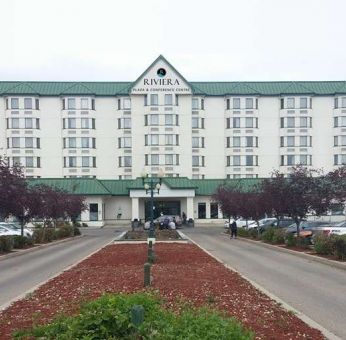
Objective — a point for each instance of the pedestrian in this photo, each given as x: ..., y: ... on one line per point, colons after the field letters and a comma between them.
x: 184, y: 217
x: 233, y: 227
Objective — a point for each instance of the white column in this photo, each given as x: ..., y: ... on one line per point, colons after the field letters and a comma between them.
x: 189, y: 207
x: 207, y: 209
x: 135, y: 208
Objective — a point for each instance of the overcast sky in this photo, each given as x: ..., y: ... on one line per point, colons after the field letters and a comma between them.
x: 225, y: 40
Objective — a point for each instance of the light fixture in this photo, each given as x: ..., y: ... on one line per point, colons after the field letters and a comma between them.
x: 158, y: 186
x: 146, y: 186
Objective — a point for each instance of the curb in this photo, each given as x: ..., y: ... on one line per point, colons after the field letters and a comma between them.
x: 332, y: 263
x: 329, y: 335
x: 19, y: 252
x: 32, y: 289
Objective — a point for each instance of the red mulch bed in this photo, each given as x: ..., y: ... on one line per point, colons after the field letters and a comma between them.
x: 181, y: 270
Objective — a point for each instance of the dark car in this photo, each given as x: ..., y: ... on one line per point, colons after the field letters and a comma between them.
x: 304, y: 226
x: 284, y: 222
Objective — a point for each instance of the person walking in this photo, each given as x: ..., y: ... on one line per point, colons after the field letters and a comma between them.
x: 234, y: 229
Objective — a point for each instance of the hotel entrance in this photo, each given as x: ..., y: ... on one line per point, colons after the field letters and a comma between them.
x: 164, y: 207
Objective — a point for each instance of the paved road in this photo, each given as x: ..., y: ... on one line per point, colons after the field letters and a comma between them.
x: 315, y: 289
x: 21, y: 273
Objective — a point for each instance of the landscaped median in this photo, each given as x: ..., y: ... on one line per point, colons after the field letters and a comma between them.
x: 182, y: 273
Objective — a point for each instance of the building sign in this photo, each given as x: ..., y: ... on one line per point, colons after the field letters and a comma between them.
x: 161, y: 79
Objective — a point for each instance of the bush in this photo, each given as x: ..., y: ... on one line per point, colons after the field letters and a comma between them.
x: 76, y: 231
x: 290, y: 240
x: 65, y: 231
x: 303, y: 242
x: 278, y: 236
x: 44, y: 235
x: 253, y: 233
x: 339, y: 246
x: 323, y: 244
x: 20, y: 242
x: 243, y: 232
x: 109, y: 317
x: 6, y: 243
x: 267, y: 235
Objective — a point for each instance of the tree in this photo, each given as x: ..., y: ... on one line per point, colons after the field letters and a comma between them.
x: 337, y: 180
x: 255, y: 207
x: 75, y: 204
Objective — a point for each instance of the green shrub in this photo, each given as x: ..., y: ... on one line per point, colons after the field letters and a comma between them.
x: 6, y: 243
x: 243, y: 232
x: 303, y: 242
x: 339, y: 246
x: 109, y: 317
x: 76, y: 231
x: 323, y: 244
x: 44, y: 235
x: 268, y: 235
x: 253, y: 233
x: 20, y: 242
x: 64, y: 231
x: 290, y: 240
x: 278, y: 236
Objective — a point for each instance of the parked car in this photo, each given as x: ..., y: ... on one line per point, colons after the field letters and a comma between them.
x: 7, y: 232
x: 10, y: 226
x: 333, y: 229
x: 263, y: 222
x: 304, y: 226
x: 240, y: 222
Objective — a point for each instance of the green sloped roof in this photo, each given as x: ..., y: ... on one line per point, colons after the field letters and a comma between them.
x: 118, y: 187
x: 270, y: 88
x: 80, y: 186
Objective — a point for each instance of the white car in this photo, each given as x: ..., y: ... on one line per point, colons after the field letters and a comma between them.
x: 7, y: 232
x: 333, y: 229
x: 10, y: 227
x: 240, y: 222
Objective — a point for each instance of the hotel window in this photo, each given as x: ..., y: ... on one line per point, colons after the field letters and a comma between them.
x: 85, y: 161
x: 71, y: 123
x: 84, y: 103
x: 85, y: 142
x: 249, y: 160
x: 15, y: 161
x: 85, y: 123
x: 249, y: 142
x: 155, y: 159
x: 125, y: 161
x: 93, y: 104
x: 29, y: 142
x: 153, y: 119
x: 28, y: 103
x: 343, y: 102
x: 168, y: 119
x: 125, y: 142
x: 303, y: 159
x: 15, y: 123
x: 195, y: 104
x: 168, y: 99
x: 29, y: 162
x: 291, y: 122
x: 168, y: 159
x: 195, y: 123
x: 169, y: 139
x: 343, y: 140
x: 236, y: 161
x: 303, y: 103
x: 151, y: 139
x: 303, y: 122
x: 72, y: 142
x: 236, y: 103
x: 71, y: 103
x: 14, y: 103
x: 145, y: 100
x: 15, y: 142
x: 29, y: 123
x: 195, y: 142
x: 154, y: 99
x: 303, y: 141
x: 343, y: 121
x: 202, y: 104
x: 290, y: 141
x: 127, y: 103
x: 249, y: 103
x: 236, y: 142
x: 340, y: 159
x: 249, y: 122
x: 290, y: 103
x: 336, y: 103
x: 290, y: 160
x: 124, y: 123
x: 236, y: 122
x: 228, y: 104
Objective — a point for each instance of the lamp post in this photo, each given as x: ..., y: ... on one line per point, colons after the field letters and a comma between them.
x: 152, y: 185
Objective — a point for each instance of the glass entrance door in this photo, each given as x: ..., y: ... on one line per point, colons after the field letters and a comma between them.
x: 93, y: 211
x: 164, y: 207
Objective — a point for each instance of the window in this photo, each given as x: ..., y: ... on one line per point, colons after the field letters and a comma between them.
x: 303, y: 103
x: 93, y: 104
x: 214, y: 210
x: 202, y: 104
x: 14, y: 103
x: 71, y: 103
x: 153, y: 139
x: 15, y: 142
x: 249, y: 160
x: 155, y: 159
x: 291, y: 122
x: 72, y: 162
x: 176, y: 100
x: 28, y: 103
x: 195, y: 122
x: 195, y: 160
x: 29, y: 162
x: 290, y: 103
x: 15, y: 160
x: 249, y: 122
x: 145, y: 100
x: 153, y: 119
x: 236, y: 103
x: 168, y: 119
x: 127, y: 161
x: 249, y: 103
x: 125, y: 142
x: 343, y: 121
x: 37, y: 123
x: 249, y: 142
x: 343, y: 102
x: 72, y: 142
x: 195, y: 142
x: 85, y: 123
x: 236, y: 142
x: 303, y: 159
x: 154, y: 99
x: 343, y: 140
x: 290, y: 160
x: 168, y: 99
x: 15, y: 123
x: 85, y: 161
x: 169, y: 159
x: 29, y: 123
x: 127, y: 123
x: 236, y: 122
x: 303, y: 141
x: 336, y: 103
x: 195, y: 104
x: 29, y: 142
x: 84, y: 103
x: 85, y: 142
x: 228, y: 104
x: 303, y: 122
x: 236, y: 160
x: 168, y: 139
x: 127, y: 103
x: 290, y: 141
x: 71, y: 123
